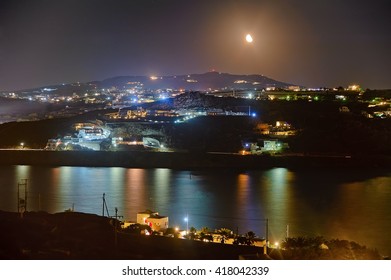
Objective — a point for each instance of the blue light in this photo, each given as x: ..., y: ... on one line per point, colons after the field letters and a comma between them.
x: 253, y: 115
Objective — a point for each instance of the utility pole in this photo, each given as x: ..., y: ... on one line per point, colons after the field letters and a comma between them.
x: 22, y: 202
x: 115, y: 229
x: 25, y: 195
x: 266, y: 236
x: 267, y: 231
x: 187, y: 223
x: 18, y: 199
x: 104, y: 206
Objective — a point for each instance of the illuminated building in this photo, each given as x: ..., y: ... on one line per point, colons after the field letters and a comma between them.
x: 152, y: 219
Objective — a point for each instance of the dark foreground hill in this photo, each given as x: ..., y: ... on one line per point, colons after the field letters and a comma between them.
x: 79, y: 236
x: 72, y: 235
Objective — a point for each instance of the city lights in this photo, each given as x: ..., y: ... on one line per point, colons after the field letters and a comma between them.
x: 239, y: 114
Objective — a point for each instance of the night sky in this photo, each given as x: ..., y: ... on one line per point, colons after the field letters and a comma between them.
x: 306, y: 42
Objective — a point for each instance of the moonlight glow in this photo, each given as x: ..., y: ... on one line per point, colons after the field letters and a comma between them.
x: 249, y: 38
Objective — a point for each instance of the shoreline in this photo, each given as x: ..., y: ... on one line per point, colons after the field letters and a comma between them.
x: 186, y: 160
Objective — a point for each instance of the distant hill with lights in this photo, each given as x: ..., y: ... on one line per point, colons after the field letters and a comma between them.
x: 196, y: 82
x: 193, y: 82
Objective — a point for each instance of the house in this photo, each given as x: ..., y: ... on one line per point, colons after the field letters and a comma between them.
x: 261, y: 146
x: 153, y: 219
x: 344, y: 109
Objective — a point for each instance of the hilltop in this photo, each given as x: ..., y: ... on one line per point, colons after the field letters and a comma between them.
x: 197, y: 82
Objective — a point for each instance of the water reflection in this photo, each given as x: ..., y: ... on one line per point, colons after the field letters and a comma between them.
x: 277, y: 186
x: 328, y: 203
x: 22, y: 172
x: 364, y: 207
x: 243, y: 193
x: 161, y: 181
x: 135, y: 192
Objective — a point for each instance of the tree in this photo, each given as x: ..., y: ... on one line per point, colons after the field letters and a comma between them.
x: 250, y: 237
x: 204, y: 234
x: 193, y: 233
x: 224, y: 233
x: 301, y: 242
x: 205, y: 230
x: 240, y: 240
x: 317, y: 248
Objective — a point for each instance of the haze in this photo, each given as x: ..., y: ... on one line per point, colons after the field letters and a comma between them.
x: 305, y: 42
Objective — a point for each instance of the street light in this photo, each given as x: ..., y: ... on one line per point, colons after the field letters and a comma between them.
x: 187, y: 223
x: 22, y: 145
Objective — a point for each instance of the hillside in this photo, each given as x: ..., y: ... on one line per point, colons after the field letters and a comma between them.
x: 200, y: 82
x: 71, y: 235
x: 80, y: 236
x: 196, y: 82
x: 322, y: 129
x: 21, y: 109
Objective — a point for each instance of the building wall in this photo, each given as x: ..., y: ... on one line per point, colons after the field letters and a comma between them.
x: 158, y: 224
x: 141, y: 217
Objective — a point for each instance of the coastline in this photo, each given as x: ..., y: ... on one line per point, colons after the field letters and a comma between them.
x: 186, y: 160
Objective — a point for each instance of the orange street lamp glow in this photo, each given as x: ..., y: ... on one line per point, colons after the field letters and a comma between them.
x: 249, y: 38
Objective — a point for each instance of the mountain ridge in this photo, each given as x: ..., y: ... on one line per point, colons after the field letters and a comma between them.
x: 199, y: 82
x: 189, y: 82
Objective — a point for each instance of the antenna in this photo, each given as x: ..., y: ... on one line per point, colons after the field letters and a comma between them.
x: 287, y: 231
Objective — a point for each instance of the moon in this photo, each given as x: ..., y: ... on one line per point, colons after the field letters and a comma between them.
x: 249, y: 38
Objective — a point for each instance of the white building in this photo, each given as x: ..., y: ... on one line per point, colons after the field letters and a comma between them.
x: 153, y: 219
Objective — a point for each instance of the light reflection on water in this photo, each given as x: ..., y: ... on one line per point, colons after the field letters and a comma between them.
x: 345, y: 205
